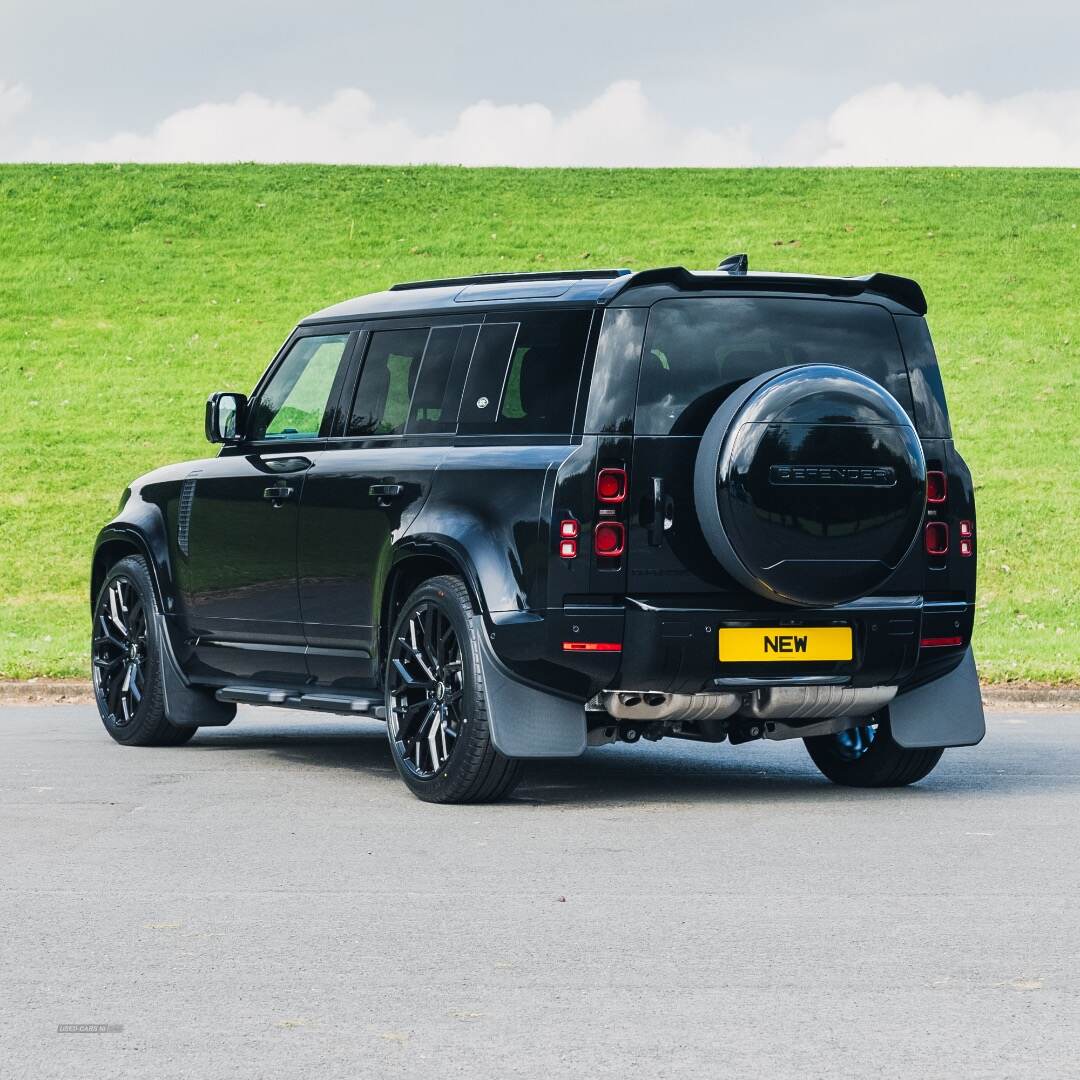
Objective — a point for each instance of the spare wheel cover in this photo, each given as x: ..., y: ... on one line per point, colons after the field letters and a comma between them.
x: 810, y: 485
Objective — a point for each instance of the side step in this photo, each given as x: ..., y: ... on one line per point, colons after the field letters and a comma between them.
x: 346, y: 704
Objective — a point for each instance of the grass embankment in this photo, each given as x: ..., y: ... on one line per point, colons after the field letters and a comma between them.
x: 129, y: 293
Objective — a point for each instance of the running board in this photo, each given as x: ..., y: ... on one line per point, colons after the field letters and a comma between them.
x: 347, y: 704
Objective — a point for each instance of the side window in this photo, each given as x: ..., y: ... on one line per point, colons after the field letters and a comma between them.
x: 381, y: 404
x: 436, y: 393
x: 524, y: 375
x: 292, y: 404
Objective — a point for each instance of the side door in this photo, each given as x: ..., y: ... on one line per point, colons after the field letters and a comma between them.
x: 370, y: 482
x: 237, y: 532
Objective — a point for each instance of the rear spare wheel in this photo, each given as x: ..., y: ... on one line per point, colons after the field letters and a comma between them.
x: 810, y: 485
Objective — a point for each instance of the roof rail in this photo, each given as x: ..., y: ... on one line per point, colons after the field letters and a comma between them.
x: 902, y: 290
x: 498, y: 279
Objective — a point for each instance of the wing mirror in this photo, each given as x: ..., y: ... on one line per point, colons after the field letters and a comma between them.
x: 225, y: 415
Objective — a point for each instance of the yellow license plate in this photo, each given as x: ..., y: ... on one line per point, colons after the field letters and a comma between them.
x: 740, y: 644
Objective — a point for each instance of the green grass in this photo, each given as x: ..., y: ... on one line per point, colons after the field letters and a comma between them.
x: 127, y: 294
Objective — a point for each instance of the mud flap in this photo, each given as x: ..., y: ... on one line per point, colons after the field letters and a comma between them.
x: 525, y: 721
x: 945, y: 712
x: 185, y: 707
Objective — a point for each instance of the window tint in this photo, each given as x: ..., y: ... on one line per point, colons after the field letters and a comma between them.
x: 293, y: 403
x: 436, y: 395
x: 524, y: 375
x: 381, y: 405
x: 697, y: 351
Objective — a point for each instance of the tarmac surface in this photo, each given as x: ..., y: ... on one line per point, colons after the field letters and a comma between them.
x: 271, y: 901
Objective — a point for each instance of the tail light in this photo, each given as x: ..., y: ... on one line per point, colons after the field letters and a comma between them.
x: 609, y: 539
x: 967, y: 538
x: 611, y: 485
x: 937, y: 538
x: 936, y: 486
x: 568, y: 533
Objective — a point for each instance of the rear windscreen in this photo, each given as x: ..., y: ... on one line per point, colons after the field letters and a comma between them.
x: 697, y: 351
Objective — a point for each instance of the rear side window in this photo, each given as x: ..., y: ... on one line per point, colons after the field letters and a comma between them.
x: 524, y: 375
x: 697, y: 351
x: 381, y: 404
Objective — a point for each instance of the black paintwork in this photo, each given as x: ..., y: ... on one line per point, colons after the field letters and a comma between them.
x: 300, y: 588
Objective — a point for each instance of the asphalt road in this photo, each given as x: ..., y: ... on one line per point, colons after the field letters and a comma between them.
x: 270, y: 901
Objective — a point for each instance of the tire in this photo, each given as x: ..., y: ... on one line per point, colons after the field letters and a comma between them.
x: 126, y: 644
x: 436, y: 701
x: 869, y: 757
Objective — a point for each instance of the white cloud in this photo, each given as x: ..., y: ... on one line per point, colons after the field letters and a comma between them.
x: 898, y: 125
x: 884, y: 125
x: 619, y: 127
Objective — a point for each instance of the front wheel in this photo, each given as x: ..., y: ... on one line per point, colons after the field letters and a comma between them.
x: 436, y: 701
x: 126, y: 655
x: 868, y: 756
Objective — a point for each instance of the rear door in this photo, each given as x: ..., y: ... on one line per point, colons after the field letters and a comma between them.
x: 697, y: 350
x: 369, y: 483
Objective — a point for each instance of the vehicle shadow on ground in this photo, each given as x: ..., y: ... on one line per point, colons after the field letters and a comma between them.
x: 670, y: 772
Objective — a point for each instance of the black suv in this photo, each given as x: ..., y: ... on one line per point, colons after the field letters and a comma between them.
x: 518, y: 515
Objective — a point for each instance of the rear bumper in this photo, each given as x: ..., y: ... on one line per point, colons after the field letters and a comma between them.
x: 675, y: 649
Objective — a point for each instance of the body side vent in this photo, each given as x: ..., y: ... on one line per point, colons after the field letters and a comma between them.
x: 183, y: 517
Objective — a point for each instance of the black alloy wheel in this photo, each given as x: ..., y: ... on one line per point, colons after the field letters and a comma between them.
x: 126, y: 659
x: 427, y: 690
x: 120, y: 649
x: 868, y: 756
x: 437, y: 708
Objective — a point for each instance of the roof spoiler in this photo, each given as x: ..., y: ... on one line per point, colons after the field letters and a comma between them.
x: 902, y: 290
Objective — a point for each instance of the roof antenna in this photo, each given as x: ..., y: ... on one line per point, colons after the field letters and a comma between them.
x: 735, y: 264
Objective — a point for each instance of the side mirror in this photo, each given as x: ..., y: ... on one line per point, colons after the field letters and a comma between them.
x: 225, y: 413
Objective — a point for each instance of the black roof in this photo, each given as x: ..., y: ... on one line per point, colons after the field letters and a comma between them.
x: 618, y: 287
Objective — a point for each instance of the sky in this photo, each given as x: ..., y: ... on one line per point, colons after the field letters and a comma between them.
x: 596, y: 82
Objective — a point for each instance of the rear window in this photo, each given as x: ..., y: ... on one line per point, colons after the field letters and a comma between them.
x: 697, y: 351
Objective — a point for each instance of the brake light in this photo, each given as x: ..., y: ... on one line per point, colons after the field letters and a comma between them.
x: 609, y: 539
x: 937, y: 538
x: 611, y: 485
x: 936, y: 486
x: 591, y: 646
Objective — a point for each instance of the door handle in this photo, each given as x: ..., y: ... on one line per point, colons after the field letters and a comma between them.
x: 385, y: 491
x: 663, y: 512
x: 278, y: 493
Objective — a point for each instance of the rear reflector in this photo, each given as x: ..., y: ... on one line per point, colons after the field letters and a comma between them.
x: 939, y: 642
x: 591, y: 646
x: 609, y: 539
x: 611, y: 485
x: 936, y: 487
x: 937, y: 538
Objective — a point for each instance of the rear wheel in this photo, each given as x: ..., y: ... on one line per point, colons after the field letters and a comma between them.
x: 868, y: 756
x: 127, y: 660
x: 436, y: 702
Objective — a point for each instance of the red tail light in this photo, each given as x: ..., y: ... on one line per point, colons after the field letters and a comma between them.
x: 936, y: 486
x: 611, y: 485
x: 568, y: 549
x: 568, y: 528
x: 937, y: 538
x: 609, y: 539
